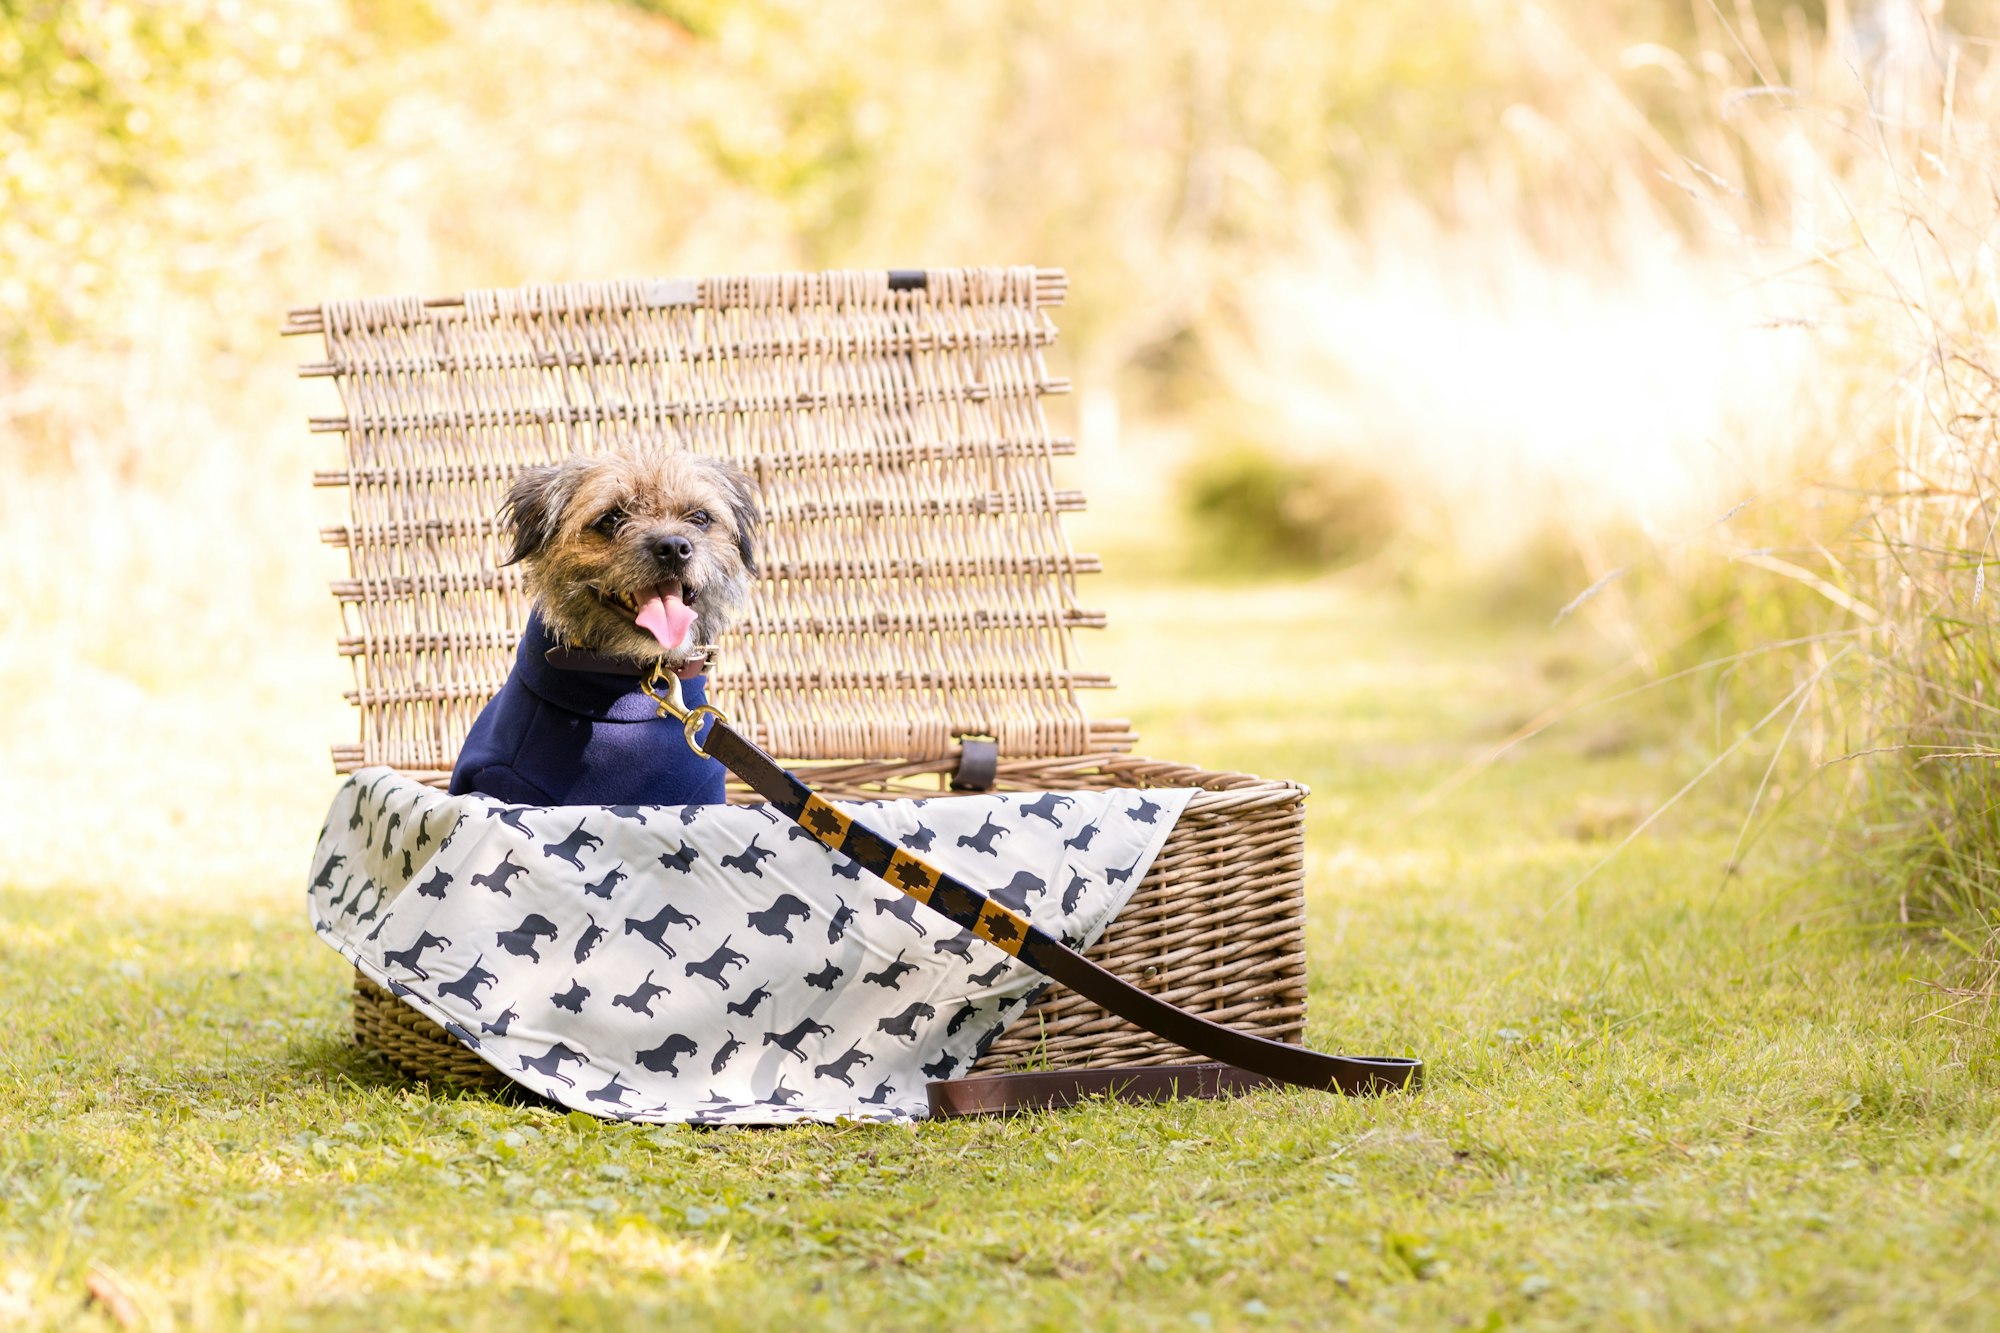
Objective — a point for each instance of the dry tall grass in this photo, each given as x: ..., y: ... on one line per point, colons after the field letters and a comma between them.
x: 1919, y: 286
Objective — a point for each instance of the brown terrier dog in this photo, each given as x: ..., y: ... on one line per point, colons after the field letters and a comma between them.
x: 636, y: 558
x: 640, y: 553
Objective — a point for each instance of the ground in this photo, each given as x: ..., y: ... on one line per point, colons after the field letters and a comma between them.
x: 1673, y: 1098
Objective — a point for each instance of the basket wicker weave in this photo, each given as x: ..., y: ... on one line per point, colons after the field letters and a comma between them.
x: 917, y: 584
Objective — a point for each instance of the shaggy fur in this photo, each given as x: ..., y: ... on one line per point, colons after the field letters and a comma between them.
x: 599, y: 533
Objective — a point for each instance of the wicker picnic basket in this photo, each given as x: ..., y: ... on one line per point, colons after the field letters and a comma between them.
x: 918, y: 589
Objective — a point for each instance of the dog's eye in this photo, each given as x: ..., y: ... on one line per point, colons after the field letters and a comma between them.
x: 700, y: 518
x: 608, y: 525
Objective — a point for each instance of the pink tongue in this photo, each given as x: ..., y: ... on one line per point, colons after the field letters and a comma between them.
x: 666, y: 619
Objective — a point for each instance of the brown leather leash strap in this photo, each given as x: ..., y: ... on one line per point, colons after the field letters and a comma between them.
x: 1012, y: 933
x: 1051, y: 1090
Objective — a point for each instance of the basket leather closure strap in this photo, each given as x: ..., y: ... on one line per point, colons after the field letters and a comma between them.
x: 965, y: 906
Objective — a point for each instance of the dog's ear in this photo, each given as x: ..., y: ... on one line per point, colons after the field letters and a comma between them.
x: 533, y: 509
x: 742, y: 494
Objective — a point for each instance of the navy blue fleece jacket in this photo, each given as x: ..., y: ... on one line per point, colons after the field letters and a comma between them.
x: 555, y: 737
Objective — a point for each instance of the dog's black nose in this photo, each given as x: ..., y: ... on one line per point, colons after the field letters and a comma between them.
x: 673, y: 551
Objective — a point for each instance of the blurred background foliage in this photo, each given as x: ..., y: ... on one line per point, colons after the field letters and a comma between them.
x: 1625, y: 312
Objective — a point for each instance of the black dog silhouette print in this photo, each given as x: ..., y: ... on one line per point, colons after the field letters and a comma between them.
x: 654, y: 928
x: 776, y: 920
x: 984, y: 837
x: 728, y: 1048
x: 498, y: 878
x: 566, y: 850
x: 1046, y: 807
x: 511, y: 816
x: 603, y: 887
x: 521, y: 940
x: 640, y: 1001
x: 842, y: 1066
x: 890, y: 977
x: 550, y: 1062
x: 467, y: 987
x: 586, y: 942
x: 681, y: 858
x: 662, y: 1058
x: 407, y: 959
x: 716, y: 964
x: 789, y: 1040
x: 904, y: 909
x: 837, y: 927
x: 750, y: 860
x: 747, y: 1006
x: 905, y: 1024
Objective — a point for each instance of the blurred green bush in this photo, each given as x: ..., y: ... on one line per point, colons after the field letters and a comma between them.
x: 1253, y: 509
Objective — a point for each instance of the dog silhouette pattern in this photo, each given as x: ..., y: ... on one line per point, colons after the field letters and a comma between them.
x: 522, y: 938
x: 566, y: 850
x: 654, y: 929
x: 747, y: 1006
x: 905, y: 1023
x: 1013, y: 895
x: 613, y: 1092
x: 470, y: 981
x: 553, y: 942
x: 904, y: 908
x: 512, y: 817
x: 843, y: 917
x: 789, y: 1040
x: 407, y: 959
x: 661, y: 1059
x: 1048, y: 806
x: 750, y: 860
x: 983, y: 838
x: 729, y: 1047
x: 498, y: 878
x: 891, y: 976
x: 776, y: 920
x: 717, y: 964
x: 640, y: 1001
x: 603, y: 887
x: 586, y: 943
x: 550, y: 1062
x: 842, y: 1067
x: 324, y: 879
x: 959, y: 945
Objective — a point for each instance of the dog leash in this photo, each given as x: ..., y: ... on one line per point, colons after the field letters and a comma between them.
x: 1245, y: 1060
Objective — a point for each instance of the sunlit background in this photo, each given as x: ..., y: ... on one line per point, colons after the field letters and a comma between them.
x: 1472, y: 299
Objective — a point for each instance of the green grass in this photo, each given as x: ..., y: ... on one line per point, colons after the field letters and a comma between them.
x: 1674, y: 1100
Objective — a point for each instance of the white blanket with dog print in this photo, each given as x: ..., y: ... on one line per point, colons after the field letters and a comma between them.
x: 713, y: 964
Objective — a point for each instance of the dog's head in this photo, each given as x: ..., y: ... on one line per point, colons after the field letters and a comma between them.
x: 640, y: 553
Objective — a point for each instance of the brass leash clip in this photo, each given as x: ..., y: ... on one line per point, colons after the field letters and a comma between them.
x: 673, y: 705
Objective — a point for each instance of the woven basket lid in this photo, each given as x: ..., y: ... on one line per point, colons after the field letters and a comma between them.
x: 917, y: 585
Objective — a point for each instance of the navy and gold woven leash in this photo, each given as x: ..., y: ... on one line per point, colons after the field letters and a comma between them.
x: 965, y: 906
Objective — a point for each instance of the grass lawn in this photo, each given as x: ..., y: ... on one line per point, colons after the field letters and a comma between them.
x: 1674, y: 1100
